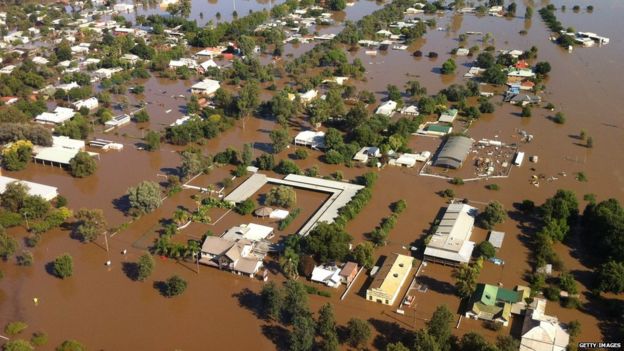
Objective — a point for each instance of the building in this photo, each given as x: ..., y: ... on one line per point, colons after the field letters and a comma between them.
x: 448, y: 116
x: 453, y: 152
x: 58, y: 116
x: 206, y: 87
x: 61, y: 152
x: 328, y: 275
x: 106, y: 73
x: 366, y: 152
x: 450, y: 244
x: 387, y: 108
x: 497, y: 304
x: 541, y: 332
x: 411, y: 110
x: 183, y: 62
x: 34, y: 189
x: 90, y: 103
x: 389, y: 279
x: 237, y: 256
x: 496, y: 239
x: 118, y: 121
x: 348, y: 272
x: 308, y: 96
x: 252, y: 232
x: 315, y: 140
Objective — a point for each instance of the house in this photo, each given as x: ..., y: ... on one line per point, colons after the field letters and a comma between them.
x: 40, y: 60
x: 68, y: 143
x: 474, y: 71
x: 211, y: 52
x: 90, y: 103
x: 123, y: 7
x: 541, y: 332
x: 58, y: 116
x: 522, y: 64
x: 389, y: 279
x: 308, y: 96
x: 448, y: 116
x: 522, y: 73
x: 315, y: 140
x: 236, y: 256
x: 68, y: 86
x: 384, y: 33
x: 496, y: 239
x: 183, y: 62
x: 525, y: 99
x: 208, y: 64
x: 34, y: 189
x: 462, y: 52
x: 497, y: 304
x: 450, y: 244
x: 82, y: 48
x: 7, y: 69
x: 9, y: 100
x: 366, y: 152
x: 206, y: 87
x: 453, y: 152
x: 411, y: 110
x: 348, y: 272
x: 130, y: 58
x: 387, y: 108
x: 328, y: 275
x: 118, y: 121
x: 252, y: 232
x: 61, y: 152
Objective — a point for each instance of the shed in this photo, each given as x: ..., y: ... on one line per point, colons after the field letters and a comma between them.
x: 496, y: 238
x: 453, y: 152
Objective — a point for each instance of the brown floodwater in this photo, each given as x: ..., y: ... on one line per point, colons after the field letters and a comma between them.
x: 104, y: 309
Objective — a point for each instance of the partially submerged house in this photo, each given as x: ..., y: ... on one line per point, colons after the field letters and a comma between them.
x: 34, y: 189
x: 58, y: 116
x: 328, y: 275
x: 541, y: 332
x: 497, y: 304
x: 367, y: 152
x: 206, y: 87
x: 315, y: 140
x: 236, y: 256
x: 389, y: 279
x: 451, y: 244
x: 387, y: 108
x: 448, y: 116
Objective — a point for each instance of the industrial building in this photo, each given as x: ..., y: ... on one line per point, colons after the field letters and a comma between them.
x: 453, y: 152
x: 389, y: 279
x: 451, y: 244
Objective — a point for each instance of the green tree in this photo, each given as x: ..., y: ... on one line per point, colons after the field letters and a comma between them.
x: 283, y: 196
x: 152, y: 141
x: 82, y: 165
x: 17, y: 345
x: 245, y: 207
x: 474, y: 342
x: 17, y: 156
x: 71, y: 345
x: 358, y: 332
x: 145, y: 266
x: 14, y: 196
x: 424, y: 341
x: 302, y: 335
x: 272, y: 301
x: 194, y: 162
x: 14, y: 328
x: 398, y: 346
x: 466, y: 278
x: 174, y: 286
x: 439, y: 326
x: 248, y: 99
x: 449, y: 67
x: 486, y: 249
x: 493, y: 214
x: 526, y: 111
x: 337, y: 5
x: 507, y: 343
x: 295, y: 301
x: 247, y: 154
x: 326, y: 325
x: 289, y: 263
x: 145, y: 197
x: 327, y: 242
x: 280, y: 139
x: 90, y: 224
x: 528, y: 13
x: 611, y: 277
x: 63, y: 266
x: 8, y: 245
x: 363, y: 255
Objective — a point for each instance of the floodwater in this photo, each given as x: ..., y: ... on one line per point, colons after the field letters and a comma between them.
x: 104, y: 309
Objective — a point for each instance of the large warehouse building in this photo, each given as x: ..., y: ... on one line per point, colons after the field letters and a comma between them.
x: 451, y: 244
x: 453, y: 152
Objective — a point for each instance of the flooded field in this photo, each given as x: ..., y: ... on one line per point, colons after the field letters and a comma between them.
x: 104, y: 309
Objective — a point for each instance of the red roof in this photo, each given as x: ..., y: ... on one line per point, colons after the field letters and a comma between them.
x: 521, y: 64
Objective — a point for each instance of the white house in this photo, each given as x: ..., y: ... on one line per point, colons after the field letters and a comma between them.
x: 68, y: 86
x: 206, y: 87
x: 308, y: 96
x: 366, y: 152
x: 328, y: 275
x: 411, y: 110
x: 34, y: 189
x: 183, y: 62
x: 105, y: 73
x: 387, y: 108
x: 448, y: 116
x: 58, y: 116
x: 40, y: 60
x: 90, y: 103
x: 118, y: 121
x: 541, y: 332
x: 130, y: 58
x: 315, y: 140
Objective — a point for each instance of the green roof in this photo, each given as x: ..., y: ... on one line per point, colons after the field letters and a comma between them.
x: 438, y: 128
x: 490, y: 294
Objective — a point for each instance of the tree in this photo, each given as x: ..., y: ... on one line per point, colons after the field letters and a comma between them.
x: 8, y: 245
x: 466, y: 277
x: 439, y: 325
x: 589, y: 143
x: 485, y: 60
x: 248, y: 98
x: 494, y: 75
x: 511, y: 9
x: 289, y: 263
x: 280, y: 139
x: 327, y: 242
x: 17, y: 345
x: 245, y: 207
x: 337, y: 5
x: 14, y: 196
x: 449, y: 66
x: 507, y: 343
x: 90, y: 224
x: 145, y: 197
x: 287, y: 167
x: 82, y: 165
x: 326, y: 324
x: 193, y: 162
x: 358, y: 332
x: 542, y: 68
x: 413, y: 88
x: 272, y: 301
x: 474, y: 342
x: 574, y: 328
x: 363, y: 255
x: 302, y: 335
x: 283, y: 196
x: 526, y: 111
x: 17, y: 156
x: 152, y: 141
x: 265, y: 162
x: 295, y: 301
x: 493, y: 214
x: 71, y: 345
x: 63, y: 266
x: 145, y: 266
x: 398, y: 346
x: 611, y: 277
x: 424, y: 341
x: 528, y: 13
x: 486, y: 249
x: 174, y: 286
x: 247, y: 154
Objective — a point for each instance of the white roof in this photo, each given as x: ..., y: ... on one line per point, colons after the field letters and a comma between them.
x: 208, y: 64
x: 326, y: 275
x: 451, y: 239
x: 311, y: 137
x: 207, y: 86
x: 309, y: 95
x: 387, y: 108
x: 257, y: 232
x: 365, y: 152
x: 34, y: 189
x: 89, y: 103
x: 406, y: 160
x: 60, y: 115
x: 541, y: 332
x: 496, y: 239
x: 279, y: 214
x: 67, y: 143
x: 55, y: 154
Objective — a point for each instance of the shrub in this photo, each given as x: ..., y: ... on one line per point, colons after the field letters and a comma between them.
x: 571, y: 302
x: 82, y: 165
x: 399, y: 206
x: 71, y: 345
x: 526, y: 111
x: 492, y: 187
x: 32, y: 240
x: 559, y: 118
x: 491, y: 325
x: 63, y: 266
x: 286, y: 221
x: 174, y: 286
x: 456, y: 181
x: 552, y: 293
x: 17, y: 345
x: 287, y: 167
x: 283, y: 196
x: 486, y: 249
x: 301, y: 154
x: 25, y: 259
x: 448, y: 193
x: 39, y: 338
x: 145, y: 266
x: 245, y: 207
x: 15, y: 328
